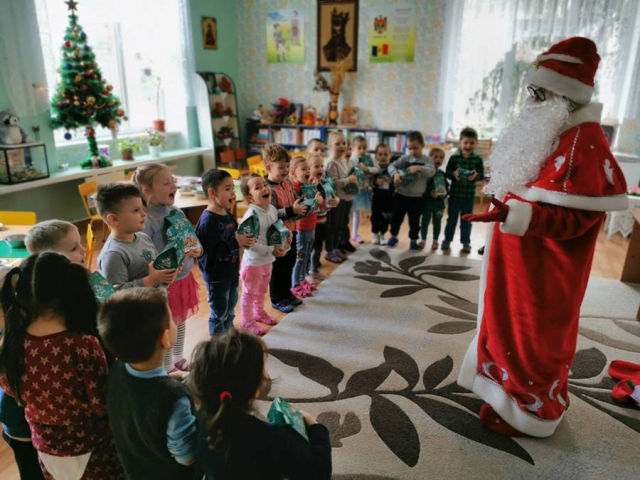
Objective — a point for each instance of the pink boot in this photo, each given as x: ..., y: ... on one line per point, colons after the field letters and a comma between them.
x: 300, y: 292
x: 264, y: 317
x: 308, y: 285
x: 253, y: 327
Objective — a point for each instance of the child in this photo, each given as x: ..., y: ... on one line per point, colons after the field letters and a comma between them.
x: 15, y: 429
x: 220, y: 263
x: 340, y: 169
x: 316, y: 164
x: 362, y: 201
x: 257, y: 260
x: 464, y: 169
x: 228, y: 374
x: 276, y: 161
x: 159, y: 188
x: 315, y: 145
x: 382, y: 202
x: 408, y: 199
x: 52, y: 362
x: 306, y: 228
x: 433, y: 206
x: 58, y: 236
x: 150, y: 413
x: 127, y: 256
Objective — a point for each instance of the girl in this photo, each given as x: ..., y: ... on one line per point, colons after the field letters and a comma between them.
x: 306, y: 228
x: 362, y: 201
x: 228, y: 374
x: 340, y: 168
x: 257, y: 261
x: 52, y: 362
x: 158, y: 188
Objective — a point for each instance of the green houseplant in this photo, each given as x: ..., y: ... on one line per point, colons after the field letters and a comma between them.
x: 156, y: 141
x: 128, y: 146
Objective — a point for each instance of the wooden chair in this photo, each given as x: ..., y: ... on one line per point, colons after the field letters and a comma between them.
x: 240, y: 153
x: 227, y: 156
x: 18, y: 218
x: 86, y: 190
x: 91, y: 247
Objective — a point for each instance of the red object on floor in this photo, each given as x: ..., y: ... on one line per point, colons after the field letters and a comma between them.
x: 493, y: 421
x: 627, y: 373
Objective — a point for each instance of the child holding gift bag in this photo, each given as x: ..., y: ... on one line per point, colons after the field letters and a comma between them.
x: 362, y: 200
x: 166, y: 223
x: 228, y: 374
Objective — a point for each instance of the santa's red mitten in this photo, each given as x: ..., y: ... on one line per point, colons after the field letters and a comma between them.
x: 627, y: 390
x: 498, y: 214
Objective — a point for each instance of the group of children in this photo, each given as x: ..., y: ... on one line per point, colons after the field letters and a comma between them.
x: 96, y: 391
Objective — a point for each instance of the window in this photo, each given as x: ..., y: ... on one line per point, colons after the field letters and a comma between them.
x: 140, y: 47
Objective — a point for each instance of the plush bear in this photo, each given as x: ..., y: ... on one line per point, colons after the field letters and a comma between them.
x: 10, y: 132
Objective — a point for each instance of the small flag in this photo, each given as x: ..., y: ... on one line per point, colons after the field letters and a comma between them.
x: 374, y: 51
x: 385, y: 49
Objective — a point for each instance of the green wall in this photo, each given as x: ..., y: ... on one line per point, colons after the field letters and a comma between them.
x: 62, y: 200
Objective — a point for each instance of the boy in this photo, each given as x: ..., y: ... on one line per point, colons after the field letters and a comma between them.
x: 408, y: 199
x: 150, y: 413
x: 127, y: 257
x: 433, y: 206
x: 382, y: 202
x: 464, y: 169
x: 276, y: 161
x: 58, y: 236
x: 220, y: 262
x: 315, y: 145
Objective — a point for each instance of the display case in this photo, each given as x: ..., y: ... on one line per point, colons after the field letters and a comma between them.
x: 23, y: 163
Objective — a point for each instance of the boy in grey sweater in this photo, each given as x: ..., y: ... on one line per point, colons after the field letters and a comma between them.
x: 408, y: 198
x: 126, y: 260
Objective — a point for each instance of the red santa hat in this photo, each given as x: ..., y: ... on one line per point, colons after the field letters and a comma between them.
x: 568, y: 69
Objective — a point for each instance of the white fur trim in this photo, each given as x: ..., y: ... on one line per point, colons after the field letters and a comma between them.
x: 560, y: 84
x: 560, y: 57
x: 518, y: 218
x: 581, y: 202
x: 589, y: 113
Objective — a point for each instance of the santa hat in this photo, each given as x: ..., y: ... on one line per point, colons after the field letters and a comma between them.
x: 567, y: 69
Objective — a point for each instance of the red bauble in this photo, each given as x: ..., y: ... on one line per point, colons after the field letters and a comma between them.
x: 60, y: 104
x: 106, y: 92
x: 67, y: 44
x: 88, y: 72
x: 89, y: 112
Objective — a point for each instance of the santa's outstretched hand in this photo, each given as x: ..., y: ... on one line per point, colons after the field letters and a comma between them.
x: 498, y: 214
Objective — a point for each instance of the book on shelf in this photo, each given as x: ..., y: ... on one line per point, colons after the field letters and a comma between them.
x: 372, y: 140
x: 309, y: 134
x: 396, y: 142
x: 286, y: 135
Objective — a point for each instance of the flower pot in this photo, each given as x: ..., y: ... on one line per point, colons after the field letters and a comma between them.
x: 154, y: 150
x: 158, y: 125
x: 127, y: 155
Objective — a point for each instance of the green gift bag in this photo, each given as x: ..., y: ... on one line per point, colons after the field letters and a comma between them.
x: 171, y: 257
x: 366, y: 160
x: 278, y: 234
x: 177, y: 225
x: 309, y: 193
x: 101, y: 287
x: 359, y: 185
x: 464, y: 174
x: 282, y: 413
x: 440, y: 185
x: 407, y: 177
x: 250, y: 225
x: 327, y: 189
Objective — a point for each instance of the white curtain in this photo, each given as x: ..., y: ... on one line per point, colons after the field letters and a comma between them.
x: 496, y: 41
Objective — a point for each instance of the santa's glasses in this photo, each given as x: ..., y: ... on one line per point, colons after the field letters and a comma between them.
x: 537, y: 92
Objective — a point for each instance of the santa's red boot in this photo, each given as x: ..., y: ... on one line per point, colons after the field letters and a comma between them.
x: 493, y: 421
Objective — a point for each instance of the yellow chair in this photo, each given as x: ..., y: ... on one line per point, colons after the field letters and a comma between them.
x: 91, y: 247
x: 234, y: 172
x: 18, y: 218
x: 86, y: 190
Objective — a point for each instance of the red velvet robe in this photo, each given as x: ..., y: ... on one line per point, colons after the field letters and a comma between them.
x: 535, y: 276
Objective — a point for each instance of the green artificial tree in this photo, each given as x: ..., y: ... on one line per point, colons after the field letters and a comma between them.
x: 83, y: 98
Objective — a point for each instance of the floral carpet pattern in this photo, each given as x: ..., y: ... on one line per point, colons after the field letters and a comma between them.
x: 375, y: 355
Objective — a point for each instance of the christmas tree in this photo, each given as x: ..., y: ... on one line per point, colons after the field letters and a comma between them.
x: 83, y: 98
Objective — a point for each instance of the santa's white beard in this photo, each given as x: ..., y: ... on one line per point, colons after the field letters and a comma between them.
x: 525, y: 144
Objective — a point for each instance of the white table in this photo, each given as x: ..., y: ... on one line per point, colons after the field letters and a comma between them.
x: 622, y: 221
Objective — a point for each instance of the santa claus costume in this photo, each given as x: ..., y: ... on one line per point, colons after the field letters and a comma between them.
x: 538, y: 257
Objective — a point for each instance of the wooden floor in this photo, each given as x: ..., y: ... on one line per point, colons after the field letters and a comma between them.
x: 607, y: 263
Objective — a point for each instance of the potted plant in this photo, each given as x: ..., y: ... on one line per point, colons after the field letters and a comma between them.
x: 155, y: 81
x: 127, y: 147
x: 156, y: 142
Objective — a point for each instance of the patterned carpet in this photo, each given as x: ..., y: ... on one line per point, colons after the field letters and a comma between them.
x: 375, y: 354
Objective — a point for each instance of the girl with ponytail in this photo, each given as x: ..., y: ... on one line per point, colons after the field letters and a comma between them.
x: 228, y: 374
x: 52, y: 363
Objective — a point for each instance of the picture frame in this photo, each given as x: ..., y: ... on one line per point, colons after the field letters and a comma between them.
x: 337, y: 33
x: 209, y: 33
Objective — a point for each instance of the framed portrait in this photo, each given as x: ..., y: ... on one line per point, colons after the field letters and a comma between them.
x: 337, y: 33
x: 209, y: 33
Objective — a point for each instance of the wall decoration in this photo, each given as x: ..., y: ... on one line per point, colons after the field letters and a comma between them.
x: 209, y: 33
x: 285, y: 36
x: 393, y: 34
x: 337, y: 33
x: 350, y: 116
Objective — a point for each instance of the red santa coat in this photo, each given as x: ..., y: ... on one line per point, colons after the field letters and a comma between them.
x: 535, y: 276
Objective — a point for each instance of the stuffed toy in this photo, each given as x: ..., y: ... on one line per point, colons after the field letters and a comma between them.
x: 10, y: 132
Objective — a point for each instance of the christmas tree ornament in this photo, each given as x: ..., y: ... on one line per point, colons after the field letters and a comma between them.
x: 67, y: 136
x: 91, y: 100
x: 67, y: 66
x: 109, y: 87
x: 78, y: 78
x: 67, y: 44
x: 120, y: 112
x: 88, y: 72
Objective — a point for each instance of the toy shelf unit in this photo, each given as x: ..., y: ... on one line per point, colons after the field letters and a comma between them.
x: 23, y: 163
x: 217, y: 106
x: 296, y: 137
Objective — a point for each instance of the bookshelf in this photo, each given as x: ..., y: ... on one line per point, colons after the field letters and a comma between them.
x: 297, y: 136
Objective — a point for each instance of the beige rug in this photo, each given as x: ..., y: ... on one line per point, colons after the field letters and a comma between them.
x: 375, y: 354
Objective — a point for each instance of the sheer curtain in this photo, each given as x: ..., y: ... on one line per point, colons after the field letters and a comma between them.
x: 497, y: 40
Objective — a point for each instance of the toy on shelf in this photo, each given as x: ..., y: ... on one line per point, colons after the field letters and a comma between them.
x: 225, y: 85
x: 10, y: 132
x: 220, y: 110
x: 23, y: 163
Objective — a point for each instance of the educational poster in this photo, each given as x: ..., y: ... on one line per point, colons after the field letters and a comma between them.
x: 285, y: 36
x: 393, y: 37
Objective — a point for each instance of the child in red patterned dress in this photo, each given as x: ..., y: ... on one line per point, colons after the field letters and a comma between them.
x: 52, y: 361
